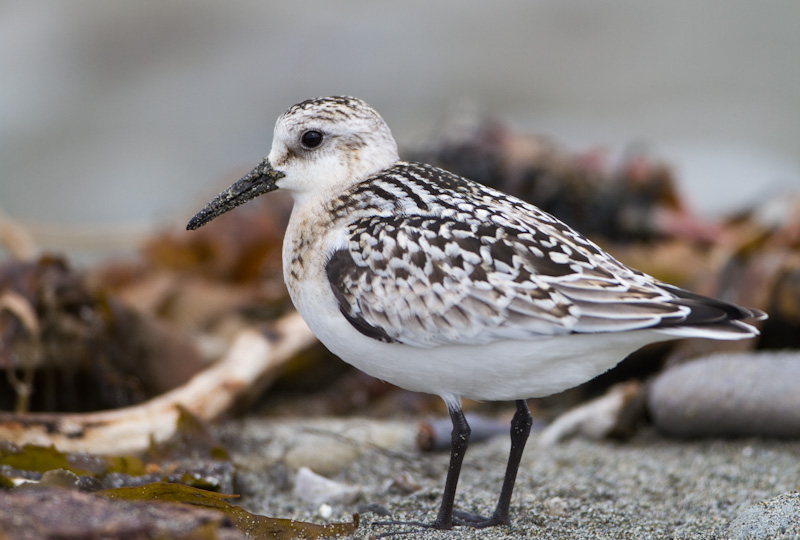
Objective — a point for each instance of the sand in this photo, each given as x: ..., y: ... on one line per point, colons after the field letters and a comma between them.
x: 647, y: 487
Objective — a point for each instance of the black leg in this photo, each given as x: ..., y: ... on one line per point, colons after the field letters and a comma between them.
x: 458, y: 447
x: 520, y: 430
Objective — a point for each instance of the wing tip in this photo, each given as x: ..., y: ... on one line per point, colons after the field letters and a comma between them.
x: 726, y: 331
x: 712, y: 318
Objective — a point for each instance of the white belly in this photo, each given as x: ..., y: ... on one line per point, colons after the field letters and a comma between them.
x: 499, y: 371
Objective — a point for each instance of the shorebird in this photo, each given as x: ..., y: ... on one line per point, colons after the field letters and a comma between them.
x: 439, y: 284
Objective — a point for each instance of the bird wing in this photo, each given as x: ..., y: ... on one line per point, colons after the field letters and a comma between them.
x: 517, y: 273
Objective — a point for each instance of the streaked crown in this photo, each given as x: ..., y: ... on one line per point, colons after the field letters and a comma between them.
x: 328, y: 143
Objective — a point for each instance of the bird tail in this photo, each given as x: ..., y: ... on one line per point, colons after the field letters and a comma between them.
x: 711, y: 318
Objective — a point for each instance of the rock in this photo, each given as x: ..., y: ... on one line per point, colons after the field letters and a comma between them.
x: 730, y: 395
x: 317, y: 489
x: 777, y: 518
x: 326, y: 456
x: 328, y: 450
x: 403, y: 483
x: 60, y: 478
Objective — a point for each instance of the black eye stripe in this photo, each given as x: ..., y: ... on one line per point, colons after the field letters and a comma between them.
x: 311, y: 139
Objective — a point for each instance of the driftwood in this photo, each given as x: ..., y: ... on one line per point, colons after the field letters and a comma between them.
x: 252, y: 361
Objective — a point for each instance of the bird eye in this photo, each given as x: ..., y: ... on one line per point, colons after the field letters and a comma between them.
x: 311, y: 139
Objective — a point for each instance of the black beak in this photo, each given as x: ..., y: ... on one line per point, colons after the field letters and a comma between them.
x: 257, y: 182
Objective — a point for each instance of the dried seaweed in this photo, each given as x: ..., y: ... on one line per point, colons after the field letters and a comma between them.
x: 254, y: 526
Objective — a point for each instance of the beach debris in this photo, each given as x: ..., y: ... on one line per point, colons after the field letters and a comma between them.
x: 66, y: 345
x: 729, y: 395
x: 53, y: 507
x: 253, y: 525
x: 435, y: 435
x: 191, y: 457
x: 616, y: 413
x: 316, y: 489
x: 251, y: 363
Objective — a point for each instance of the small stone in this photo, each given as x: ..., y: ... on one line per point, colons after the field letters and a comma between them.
x: 316, y: 489
x: 374, y: 508
x: 730, y: 395
x: 325, y: 511
x: 404, y: 483
x: 60, y: 478
x: 777, y: 518
x: 556, y: 506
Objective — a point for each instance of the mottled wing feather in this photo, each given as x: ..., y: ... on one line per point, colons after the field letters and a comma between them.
x: 409, y: 280
x: 437, y: 259
x: 429, y: 281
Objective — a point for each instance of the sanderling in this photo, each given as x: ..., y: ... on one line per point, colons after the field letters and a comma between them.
x: 439, y: 284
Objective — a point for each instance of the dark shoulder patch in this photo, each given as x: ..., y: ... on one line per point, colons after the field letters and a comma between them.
x: 343, y: 272
x: 365, y: 328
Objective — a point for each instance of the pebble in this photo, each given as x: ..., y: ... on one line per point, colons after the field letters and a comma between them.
x: 404, y: 483
x: 556, y: 506
x: 330, y: 448
x: 777, y: 518
x: 729, y: 395
x: 316, y: 489
x: 325, y: 511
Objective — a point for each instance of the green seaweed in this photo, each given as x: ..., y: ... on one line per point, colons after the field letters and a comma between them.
x: 31, y: 457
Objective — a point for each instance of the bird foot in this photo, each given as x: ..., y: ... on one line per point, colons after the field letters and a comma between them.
x: 476, y: 521
x: 460, y: 519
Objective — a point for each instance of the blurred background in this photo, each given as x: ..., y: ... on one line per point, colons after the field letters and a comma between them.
x: 131, y: 115
x: 120, y: 119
